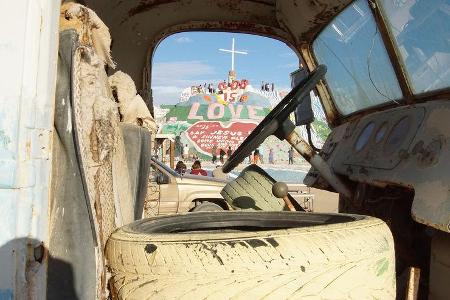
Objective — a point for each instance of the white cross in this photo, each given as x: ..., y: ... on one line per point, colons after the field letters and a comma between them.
x: 232, y: 54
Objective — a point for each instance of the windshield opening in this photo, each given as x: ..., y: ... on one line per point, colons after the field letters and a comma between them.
x: 211, y: 89
x: 360, y: 74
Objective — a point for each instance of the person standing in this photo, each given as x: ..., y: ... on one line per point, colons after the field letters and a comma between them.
x: 256, y: 156
x: 186, y: 151
x: 221, y: 155
x: 178, y: 147
x: 271, y: 156
x: 229, y: 152
x: 291, y: 156
x: 214, y: 153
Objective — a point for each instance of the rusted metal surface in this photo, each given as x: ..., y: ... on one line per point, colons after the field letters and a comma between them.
x: 146, y: 5
x: 172, y: 155
x: 412, y: 291
x: 330, y: 110
x: 428, y: 96
x: 318, y: 163
x: 143, y: 6
x: 307, y: 18
x: 419, y: 161
x: 230, y: 5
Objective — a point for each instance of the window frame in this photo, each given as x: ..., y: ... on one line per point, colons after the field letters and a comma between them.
x: 396, y: 61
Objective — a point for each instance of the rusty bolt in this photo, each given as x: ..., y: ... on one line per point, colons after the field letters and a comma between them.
x: 38, y: 253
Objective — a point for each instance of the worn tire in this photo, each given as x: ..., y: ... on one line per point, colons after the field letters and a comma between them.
x: 253, y: 255
x: 207, y: 206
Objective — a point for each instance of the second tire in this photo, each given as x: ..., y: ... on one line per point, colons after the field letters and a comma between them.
x: 253, y: 255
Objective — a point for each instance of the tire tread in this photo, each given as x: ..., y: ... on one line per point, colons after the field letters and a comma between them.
x: 292, y: 263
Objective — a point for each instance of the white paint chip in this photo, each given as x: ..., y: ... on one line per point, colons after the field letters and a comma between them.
x: 69, y: 120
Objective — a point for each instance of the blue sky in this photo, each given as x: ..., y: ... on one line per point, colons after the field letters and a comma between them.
x: 192, y: 58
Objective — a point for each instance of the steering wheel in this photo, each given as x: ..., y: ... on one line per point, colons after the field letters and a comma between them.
x: 277, y: 121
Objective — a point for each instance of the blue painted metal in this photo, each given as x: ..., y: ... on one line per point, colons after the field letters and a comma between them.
x: 6, y: 294
x: 28, y: 52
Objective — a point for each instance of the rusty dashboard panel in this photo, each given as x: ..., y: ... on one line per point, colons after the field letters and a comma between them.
x: 404, y: 146
x: 382, y: 138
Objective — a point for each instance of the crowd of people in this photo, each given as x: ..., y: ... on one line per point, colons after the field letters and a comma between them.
x: 218, y: 159
x: 203, y: 89
x: 197, y: 169
x: 222, y: 154
x: 258, y: 157
x: 267, y: 87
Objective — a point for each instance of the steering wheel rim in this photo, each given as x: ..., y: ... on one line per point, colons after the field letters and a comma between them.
x: 272, y: 122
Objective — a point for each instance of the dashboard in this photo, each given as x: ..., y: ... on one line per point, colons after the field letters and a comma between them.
x: 405, y: 146
x: 382, y: 138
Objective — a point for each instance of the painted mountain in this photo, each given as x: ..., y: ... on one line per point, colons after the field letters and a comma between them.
x: 224, y: 117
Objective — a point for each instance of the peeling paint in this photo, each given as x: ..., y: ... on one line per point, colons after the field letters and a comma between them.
x: 146, y: 5
x: 438, y: 119
x: 419, y: 162
x: 382, y: 266
x: 69, y: 120
x: 433, y: 205
x: 6, y: 294
x: 302, y: 147
x: 255, y: 243
x: 4, y: 139
x: 213, y: 250
x: 150, y: 248
x: 28, y: 149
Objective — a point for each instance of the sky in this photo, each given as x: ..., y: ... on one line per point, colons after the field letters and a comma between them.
x: 193, y: 58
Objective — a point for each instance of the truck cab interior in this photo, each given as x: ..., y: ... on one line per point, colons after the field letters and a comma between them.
x: 381, y: 69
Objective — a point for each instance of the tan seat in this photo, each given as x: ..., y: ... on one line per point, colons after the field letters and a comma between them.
x: 96, y: 181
